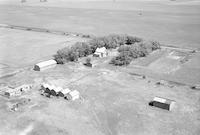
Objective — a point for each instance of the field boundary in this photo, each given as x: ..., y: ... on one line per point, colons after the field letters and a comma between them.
x: 43, y: 30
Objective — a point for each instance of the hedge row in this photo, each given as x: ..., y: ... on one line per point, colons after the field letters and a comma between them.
x: 133, y: 51
x: 124, y: 42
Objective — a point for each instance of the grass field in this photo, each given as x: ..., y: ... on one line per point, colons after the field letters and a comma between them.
x: 170, y: 23
x: 20, y: 49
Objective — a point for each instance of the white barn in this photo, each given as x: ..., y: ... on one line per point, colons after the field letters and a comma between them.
x: 45, y: 65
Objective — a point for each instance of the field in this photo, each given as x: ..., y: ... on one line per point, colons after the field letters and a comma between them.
x: 171, y: 23
x: 22, y: 49
x: 114, y: 100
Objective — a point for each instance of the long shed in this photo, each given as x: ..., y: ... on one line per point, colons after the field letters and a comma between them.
x: 45, y: 65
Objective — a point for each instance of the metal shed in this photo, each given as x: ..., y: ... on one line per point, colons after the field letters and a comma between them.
x: 45, y: 65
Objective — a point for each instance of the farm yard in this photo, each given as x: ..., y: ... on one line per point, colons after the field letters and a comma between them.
x: 116, y: 78
x: 112, y: 102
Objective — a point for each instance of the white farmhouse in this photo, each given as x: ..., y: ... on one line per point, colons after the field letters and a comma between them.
x: 101, y: 52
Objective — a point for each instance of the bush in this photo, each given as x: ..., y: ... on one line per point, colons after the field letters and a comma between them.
x: 66, y: 54
x: 155, y: 45
x: 139, y: 50
x: 83, y: 49
x: 120, y: 60
x: 129, y: 47
x: 119, y: 39
x: 124, y: 48
x: 88, y: 60
x: 109, y: 42
x: 132, y: 40
x: 96, y: 43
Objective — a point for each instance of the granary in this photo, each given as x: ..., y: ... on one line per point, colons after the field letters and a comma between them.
x: 55, y: 90
x: 45, y: 88
x: 64, y: 92
x: 52, y: 90
x: 100, y: 52
x: 162, y: 103
x: 12, y: 92
x: 45, y: 65
x: 73, y: 95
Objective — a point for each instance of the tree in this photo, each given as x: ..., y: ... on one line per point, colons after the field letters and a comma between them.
x: 131, y: 40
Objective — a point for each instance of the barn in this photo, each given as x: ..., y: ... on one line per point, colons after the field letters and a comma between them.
x: 45, y: 65
x: 162, y: 103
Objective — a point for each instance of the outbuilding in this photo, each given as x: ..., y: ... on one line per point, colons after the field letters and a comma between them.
x: 24, y: 88
x: 55, y: 90
x: 162, y: 103
x: 45, y: 65
x: 12, y: 92
x: 73, y: 95
x: 52, y: 90
x: 45, y: 88
x: 101, y: 52
x: 64, y: 92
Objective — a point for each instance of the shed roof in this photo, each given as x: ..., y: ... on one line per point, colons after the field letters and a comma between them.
x: 74, y: 93
x: 58, y: 89
x: 65, y: 91
x: 52, y: 87
x: 46, y: 63
x: 10, y: 90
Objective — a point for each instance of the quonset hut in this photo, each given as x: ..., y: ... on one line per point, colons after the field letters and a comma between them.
x: 44, y: 65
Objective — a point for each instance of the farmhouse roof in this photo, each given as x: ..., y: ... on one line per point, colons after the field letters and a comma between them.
x: 101, y: 50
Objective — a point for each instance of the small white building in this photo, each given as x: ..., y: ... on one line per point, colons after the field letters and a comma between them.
x: 73, y: 95
x: 10, y: 92
x: 101, y: 52
x: 64, y: 92
x: 45, y: 65
x: 24, y: 88
x: 163, y: 103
